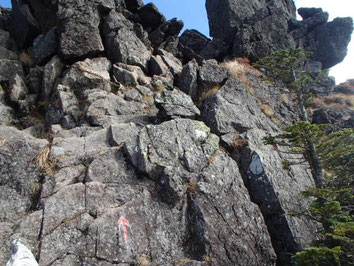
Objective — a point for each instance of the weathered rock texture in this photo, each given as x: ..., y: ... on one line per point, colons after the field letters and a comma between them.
x: 257, y: 28
x: 124, y: 144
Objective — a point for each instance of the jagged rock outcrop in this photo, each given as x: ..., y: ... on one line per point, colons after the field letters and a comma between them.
x: 122, y: 143
x: 257, y: 28
x: 336, y: 107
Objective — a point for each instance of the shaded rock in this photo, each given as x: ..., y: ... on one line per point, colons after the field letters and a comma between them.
x: 215, y: 49
x: 306, y: 13
x: 34, y: 79
x: 9, y: 68
x: 157, y: 65
x: 211, y: 75
x: 44, y: 47
x: 134, y: 5
x: 326, y: 116
x: 125, y: 47
x: 5, y: 40
x: 187, y: 80
x: 24, y: 27
x: 345, y: 87
x: 5, y: 18
x: 175, y: 104
x: 7, y: 54
x: 79, y: 35
x: 332, y: 40
x: 194, y: 40
x: 6, y: 112
x: 165, y: 30
x: 52, y: 70
x: 45, y: 13
x: 150, y: 16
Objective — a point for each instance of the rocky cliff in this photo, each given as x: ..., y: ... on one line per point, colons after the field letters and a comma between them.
x: 122, y: 143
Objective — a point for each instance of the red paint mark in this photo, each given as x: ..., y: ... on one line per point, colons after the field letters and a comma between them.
x: 122, y: 222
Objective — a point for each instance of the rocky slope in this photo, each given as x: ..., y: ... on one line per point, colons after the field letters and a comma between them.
x: 122, y: 143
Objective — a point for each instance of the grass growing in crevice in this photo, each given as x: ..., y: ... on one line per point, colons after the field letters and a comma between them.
x: 46, y: 164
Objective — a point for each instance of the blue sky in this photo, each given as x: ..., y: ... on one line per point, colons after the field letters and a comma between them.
x: 193, y: 14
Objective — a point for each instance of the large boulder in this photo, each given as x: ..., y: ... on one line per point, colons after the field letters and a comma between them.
x: 79, y: 34
x: 332, y: 41
x: 258, y: 28
x: 25, y: 27
x: 125, y: 47
x: 225, y: 16
x: 235, y: 114
x: 183, y: 173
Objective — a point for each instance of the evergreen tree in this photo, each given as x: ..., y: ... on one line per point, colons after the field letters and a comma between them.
x: 289, y: 67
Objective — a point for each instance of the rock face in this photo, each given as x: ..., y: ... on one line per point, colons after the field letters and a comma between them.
x: 122, y: 143
x: 258, y: 28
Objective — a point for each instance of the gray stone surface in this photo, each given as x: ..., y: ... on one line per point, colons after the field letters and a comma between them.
x: 234, y: 112
x: 211, y: 75
x: 125, y: 47
x: 9, y: 68
x: 18, y: 89
x: 176, y: 104
x: 79, y: 33
x: 258, y: 28
x: 173, y: 63
x: 129, y: 75
x: 52, y: 70
x: 187, y: 81
x: 19, y: 173
x: 44, y: 47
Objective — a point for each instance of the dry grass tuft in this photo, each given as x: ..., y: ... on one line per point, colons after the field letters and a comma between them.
x: 44, y: 162
x: 184, y: 262
x: 26, y: 59
x: 240, y: 143
x: 267, y: 110
x: 143, y: 261
x: 240, y: 68
x: 2, y: 142
x: 206, y: 94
